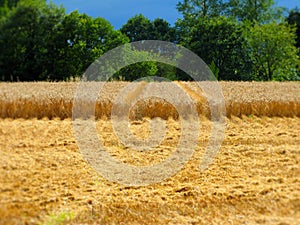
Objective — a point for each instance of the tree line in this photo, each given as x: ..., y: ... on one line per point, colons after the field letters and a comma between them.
x: 238, y: 40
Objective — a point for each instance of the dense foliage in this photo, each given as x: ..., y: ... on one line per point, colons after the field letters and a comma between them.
x: 239, y: 40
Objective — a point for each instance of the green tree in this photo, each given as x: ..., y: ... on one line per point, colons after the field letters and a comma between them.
x: 140, y: 28
x: 9, y: 3
x: 163, y: 31
x: 294, y: 19
x: 201, y: 8
x: 138, y: 64
x: 25, y: 34
x: 136, y: 71
x: 273, y: 51
x: 50, y: 43
x: 39, y: 42
x: 260, y: 11
x: 4, y: 14
x: 220, y: 43
x: 217, y: 39
x: 85, y: 40
x: 193, y: 11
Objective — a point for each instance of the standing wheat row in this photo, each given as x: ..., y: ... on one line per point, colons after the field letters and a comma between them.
x: 42, y: 99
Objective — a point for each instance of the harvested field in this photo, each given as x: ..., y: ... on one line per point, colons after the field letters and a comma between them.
x: 255, y: 178
x: 38, y: 100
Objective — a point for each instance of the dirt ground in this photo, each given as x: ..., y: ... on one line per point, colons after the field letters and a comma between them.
x: 254, y: 179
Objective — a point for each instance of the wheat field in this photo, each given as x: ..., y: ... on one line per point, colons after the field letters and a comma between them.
x: 39, y: 100
x: 254, y: 178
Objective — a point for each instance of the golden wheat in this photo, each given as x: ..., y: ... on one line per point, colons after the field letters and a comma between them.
x: 42, y: 99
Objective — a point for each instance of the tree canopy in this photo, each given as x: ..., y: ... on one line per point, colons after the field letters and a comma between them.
x: 220, y: 43
x: 294, y: 19
x: 273, y: 52
x: 39, y: 41
x: 238, y: 39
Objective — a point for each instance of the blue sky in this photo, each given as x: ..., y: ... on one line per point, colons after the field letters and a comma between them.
x: 117, y: 12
